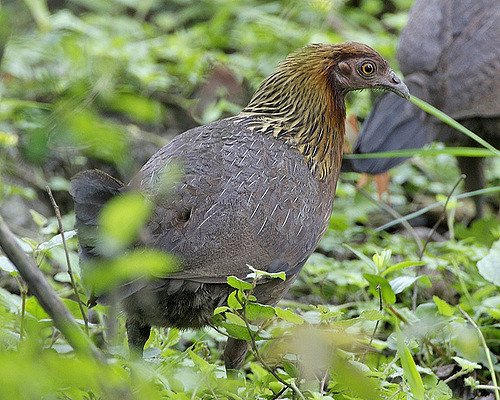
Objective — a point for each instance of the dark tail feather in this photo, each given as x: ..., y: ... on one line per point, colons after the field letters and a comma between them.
x: 90, y: 191
x: 393, y: 124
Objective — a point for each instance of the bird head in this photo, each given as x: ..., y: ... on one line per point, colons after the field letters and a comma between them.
x: 302, y: 102
x: 360, y: 67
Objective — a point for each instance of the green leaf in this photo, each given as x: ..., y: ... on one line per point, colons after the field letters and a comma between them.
x: 354, y: 381
x: 402, y: 265
x: 258, y: 273
x: 489, y: 266
x: 6, y: 265
x: 121, y: 220
x: 376, y: 281
x: 289, y: 316
x: 372, y: 315
x: 105, y: 275
x: 236, y: 331
x: 8, y: 139
x: 443, y: 307
x: 254, y: 311
x: 466, y: 365
x: 400, y: 283
x: 410, y: 372
x: 432, y: 152
x: 237, y: 283
x: 140, y: 108
x: 232, y: 301
x: 451, y: 122
x: 38, y: 218
x: 220, y: 310
x: 56, y: 240
x: 234, y: 319
x: 382, y: 259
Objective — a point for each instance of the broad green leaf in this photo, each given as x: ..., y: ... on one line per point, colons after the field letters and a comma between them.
x: 489, y: 266
x: 237, y: 331
x: 376, y: 281
x: 220, y: 310
x: 56, y: 240
x: 237, y: 283
x: 382, y: 259
x: 122, y: 218
x: 140, y: 108
x: 466, y: 365
x: 234, y: 319
x: 289, y: 316
x: 354, y: 381
x: 443, y: 307
x: 400, y: 283
x: 413, y: 378
x: 258, y: 272
x: 105, y: 275
x: 254, y: 311
x: 401, y: 265
x: 232, y: 301
x: 38, y: 218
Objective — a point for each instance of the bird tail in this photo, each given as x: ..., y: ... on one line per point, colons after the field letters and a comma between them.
x: 91, y: 190
x: 393, y: 124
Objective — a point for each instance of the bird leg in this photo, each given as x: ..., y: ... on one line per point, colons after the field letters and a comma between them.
x: 138, y: 334
x: 234, y: 354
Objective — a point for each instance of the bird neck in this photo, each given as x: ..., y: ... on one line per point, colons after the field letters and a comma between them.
x: 299, y: 105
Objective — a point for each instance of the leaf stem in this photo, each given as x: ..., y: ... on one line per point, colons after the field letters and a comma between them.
x: 495, y: 387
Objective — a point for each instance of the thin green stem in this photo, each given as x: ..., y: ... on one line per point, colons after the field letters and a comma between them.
x: 495, y: 387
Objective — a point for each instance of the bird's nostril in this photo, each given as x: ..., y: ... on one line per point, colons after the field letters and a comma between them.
x: 395, y: 79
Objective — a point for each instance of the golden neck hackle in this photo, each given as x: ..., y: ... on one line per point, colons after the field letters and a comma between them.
x: 298, y: 104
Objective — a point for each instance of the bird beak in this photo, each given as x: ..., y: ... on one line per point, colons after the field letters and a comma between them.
x: 396, y: 85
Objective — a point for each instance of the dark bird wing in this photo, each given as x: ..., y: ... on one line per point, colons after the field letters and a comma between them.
x: 393, y: 124
x: 243, y: 199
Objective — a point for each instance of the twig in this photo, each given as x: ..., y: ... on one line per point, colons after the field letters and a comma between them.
x: 429, y: 236
x: 45, y: 294
x: 277, y: 396
x: 487, y: 351
x: 380, y: 308
x: 68, y: 263
x: 253, y: 344
x: 393, y: 213
x: 24, y: 293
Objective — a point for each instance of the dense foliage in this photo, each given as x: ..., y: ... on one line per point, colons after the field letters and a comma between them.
x: 403, y: 312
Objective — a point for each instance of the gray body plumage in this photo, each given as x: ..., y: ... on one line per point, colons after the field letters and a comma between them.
x: 243, y: 199
x: 449, y: 53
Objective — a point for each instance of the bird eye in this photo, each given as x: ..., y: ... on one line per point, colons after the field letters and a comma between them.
x: 367, y: 68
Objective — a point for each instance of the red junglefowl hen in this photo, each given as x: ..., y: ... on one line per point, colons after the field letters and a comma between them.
x: 257, y: 189
x: 449, y: 53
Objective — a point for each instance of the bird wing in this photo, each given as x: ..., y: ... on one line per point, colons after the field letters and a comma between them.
x: 243, y: 199
x: 393, y: 124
